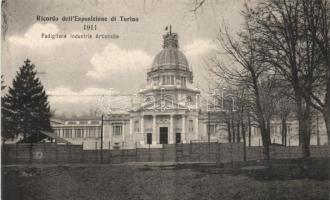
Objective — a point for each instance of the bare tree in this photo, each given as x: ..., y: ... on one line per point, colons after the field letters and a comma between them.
x: 250, y: 72
x: 316, y: 15
x: 284, y: 43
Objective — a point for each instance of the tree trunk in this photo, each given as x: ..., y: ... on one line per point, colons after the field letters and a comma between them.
x: 229, y: 131
x: 265, y: 137
x: 233, y: 130
x: 244, y: 140
x: 249, y: 121
x: 326, y: 112
x: 303, y: 115
x: 303, y: 131
x: 326, y: 116
x: 238, y: 133
x: 265, y: 141
x: 284, y: 131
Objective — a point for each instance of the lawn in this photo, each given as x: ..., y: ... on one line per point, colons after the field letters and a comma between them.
x: 150, y: 181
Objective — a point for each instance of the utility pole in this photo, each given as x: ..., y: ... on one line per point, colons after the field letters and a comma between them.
x: 209, y: 127
x: 101, y: 138
x: 317, y: 129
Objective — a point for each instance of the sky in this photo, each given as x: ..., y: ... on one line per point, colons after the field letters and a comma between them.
x: 77, y: 72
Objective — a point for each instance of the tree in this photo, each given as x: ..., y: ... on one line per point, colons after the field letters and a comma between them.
x: 285, y: 108
x: 284, y: 42
x: 3, y: 86
x: 4, y: 135
x: 25, y: 107
x: 316, y: 16
x: 250, y: 72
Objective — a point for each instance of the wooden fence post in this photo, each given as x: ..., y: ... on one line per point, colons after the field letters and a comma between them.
x: 122, y: 155
x: 175, y: 154
x: 31, y: 146
x: 96, y: 158
x: 260, y: 151
x: 69, y: 151
x: 149, y: 153
x: 190, y: 148
x: 82, y: 153
x: 231, y: 155
x: 136, y: 152
x: 163, y: 152
x: 44, y: 152
x: 219, y: 152
x: 56, y: 156
x: 16, y: 153
x: 109, y: 156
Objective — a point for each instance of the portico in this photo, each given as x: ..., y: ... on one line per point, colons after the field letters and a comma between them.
x: 162, y: 128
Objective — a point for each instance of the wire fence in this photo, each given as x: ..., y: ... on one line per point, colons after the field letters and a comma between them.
x: 213, y: 152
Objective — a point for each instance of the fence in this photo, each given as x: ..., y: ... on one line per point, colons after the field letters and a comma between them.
x: 193, y: 152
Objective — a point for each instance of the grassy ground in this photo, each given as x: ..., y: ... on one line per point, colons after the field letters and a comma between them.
x: 146, y: 181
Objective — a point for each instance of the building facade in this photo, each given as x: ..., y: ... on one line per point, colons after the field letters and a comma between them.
x: 169, y: 112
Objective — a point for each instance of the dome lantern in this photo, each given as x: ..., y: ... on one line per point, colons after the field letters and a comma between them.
x: 170, y: 40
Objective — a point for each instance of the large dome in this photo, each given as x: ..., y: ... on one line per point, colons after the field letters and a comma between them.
x: 170, y: 57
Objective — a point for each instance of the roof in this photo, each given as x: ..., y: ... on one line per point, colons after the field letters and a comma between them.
x: 170, y: 57
x: 54, y: 136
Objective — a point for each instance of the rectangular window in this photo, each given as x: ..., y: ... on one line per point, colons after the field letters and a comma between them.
x: 92, y: 132
x: 149, y: 138
x: 58, y: 132
x: 116, y: 129
x: 136, y: 126
x: 98, y: 132
x: 257, y: 131
x: 79, y: 133
x: 191, y: 125
x: 289, y: 129
x: 67, y: 133
x: 211, y: 129
x: 273, y: 130
x: 163, y: 80
x: 183, y: 81
x: 156, y: 81
x: 172, y: 80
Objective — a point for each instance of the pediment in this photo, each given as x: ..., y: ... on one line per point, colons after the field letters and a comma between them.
x: 163, y: 105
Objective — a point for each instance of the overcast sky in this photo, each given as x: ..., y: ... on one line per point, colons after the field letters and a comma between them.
x: 84, y: 67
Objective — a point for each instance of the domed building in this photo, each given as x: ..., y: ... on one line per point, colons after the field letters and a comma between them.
x: 168, y: 111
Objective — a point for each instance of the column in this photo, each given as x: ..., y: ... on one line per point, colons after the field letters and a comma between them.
x: 110, y: 128
x: 142, y: 130
x: 196, y: 129
x: 154, y: 130
x: 171, y: 139
x: 131, y: 138
x: 123, y: 132
x: 130, y: 126
x: 183, y: 137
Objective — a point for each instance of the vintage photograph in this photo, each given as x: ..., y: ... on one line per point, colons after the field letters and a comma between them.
x: 165, y: 99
